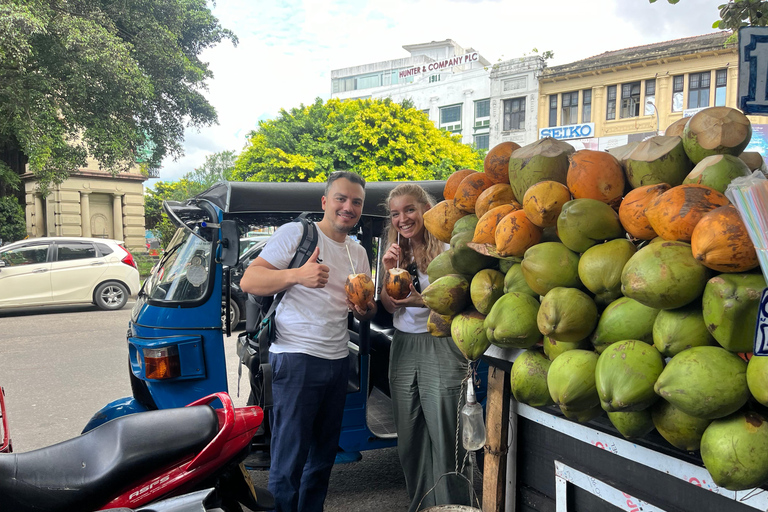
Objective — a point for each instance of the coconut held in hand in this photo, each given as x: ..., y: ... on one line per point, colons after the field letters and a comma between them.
x: 359, y: 288
x: 397, y: 282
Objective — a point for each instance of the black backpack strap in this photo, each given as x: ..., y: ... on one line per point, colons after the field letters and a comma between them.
x: 303, y: 252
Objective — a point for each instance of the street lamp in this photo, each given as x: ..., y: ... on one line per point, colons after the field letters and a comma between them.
x: 649, y: 102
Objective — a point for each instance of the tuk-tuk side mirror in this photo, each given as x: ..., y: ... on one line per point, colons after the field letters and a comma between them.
x: 230, y: 243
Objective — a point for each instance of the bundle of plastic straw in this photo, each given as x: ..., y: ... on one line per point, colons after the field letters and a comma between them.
x: 750, y: 197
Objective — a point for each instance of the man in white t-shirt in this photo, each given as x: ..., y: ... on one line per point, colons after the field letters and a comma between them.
x: 309, y: 353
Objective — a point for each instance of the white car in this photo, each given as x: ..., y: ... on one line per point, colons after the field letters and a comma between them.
x: 61, y: 270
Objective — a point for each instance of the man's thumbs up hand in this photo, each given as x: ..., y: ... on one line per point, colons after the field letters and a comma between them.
x: 313, y: 274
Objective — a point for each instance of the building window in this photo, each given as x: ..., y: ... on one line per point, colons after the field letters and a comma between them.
x: 650, y: 96
x: 610, y: 108
x: 677, y: 93
x: 343, y: 84
x: 586, y: 109
x: 630, y: 100
x: 721, y: 79
x: 570, y: 108
x: 553, y: 110
x: 368, y: 81
x: 514, y: 114
x: 698, y: 89
x: 482, y: 113
x: 481, y: 141
x: 450, y: 118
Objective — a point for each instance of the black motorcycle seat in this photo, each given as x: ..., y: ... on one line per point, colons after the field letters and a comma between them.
x: 87, y: 472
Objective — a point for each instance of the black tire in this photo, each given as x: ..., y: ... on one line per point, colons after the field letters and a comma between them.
x: 110, y: 296
x: 234, y: 314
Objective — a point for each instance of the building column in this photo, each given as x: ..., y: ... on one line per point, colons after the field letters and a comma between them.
x: 38, y: 226
x: 85, y: 213
x: 468, y: 127
x: 663, y: 101
x: 50, y: 215
x: 598, y: 109
x: 117, y: 214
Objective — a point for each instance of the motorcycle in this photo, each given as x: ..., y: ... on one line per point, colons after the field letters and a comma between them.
x: 138, y: 459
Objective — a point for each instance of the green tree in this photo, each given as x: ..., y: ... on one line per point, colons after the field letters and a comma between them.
x: 379, y: 139
x: 13, y: 225
x: 217, y: 167
x: 101, y: 79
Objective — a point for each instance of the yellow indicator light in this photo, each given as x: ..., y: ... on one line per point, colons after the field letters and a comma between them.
x: 162, y: 363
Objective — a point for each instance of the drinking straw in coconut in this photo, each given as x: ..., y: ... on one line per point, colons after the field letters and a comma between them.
x: 350, y: 259
x: 398, y: 246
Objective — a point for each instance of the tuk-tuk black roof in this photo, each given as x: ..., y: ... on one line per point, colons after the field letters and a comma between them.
x: 241, y: 197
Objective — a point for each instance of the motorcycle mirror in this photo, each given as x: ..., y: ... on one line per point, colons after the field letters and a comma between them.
x: 230, y: 243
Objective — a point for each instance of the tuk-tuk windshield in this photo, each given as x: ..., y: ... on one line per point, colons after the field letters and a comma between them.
x: 182, y: 274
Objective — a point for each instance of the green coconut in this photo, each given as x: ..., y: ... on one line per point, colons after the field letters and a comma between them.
x: 447, y: 295
x: 544, y: 160
x: 466, y: 223
x: 717, y: 171
x: 730, y: 306
x: 625, y: 374
x: 567, y: 314
x: 583, y: 416
x: 754, y: 161
x: 506, y: 264
x: 584, y: 222
x: 549, y: 265
x: 706, y: 382
x: 529, y: 379
x: 465, y: 259
x: 571, y: 381
x: 621, y: 153
x: 632, y: 424
x: 624, y: 319
x: 716, y: 131
x: 757, y: 378
x: 664, y: 275
x: 485, y: 289
x: 512, y: 321
x: 439, y: 325
x: 600, y: 269
x: 677, y: 127
x: 660, y: 159
x: 468, y: 334
x: 441, y: 266
x: 554, y: 348
x: 735, y: 451
x: 514, y: 281
x: 675, y: 330
x: 681, y: 430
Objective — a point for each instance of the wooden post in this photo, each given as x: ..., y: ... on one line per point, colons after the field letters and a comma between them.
x: 497, y: 431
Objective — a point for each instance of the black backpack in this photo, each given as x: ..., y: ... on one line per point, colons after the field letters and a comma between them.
x: 253, y: 344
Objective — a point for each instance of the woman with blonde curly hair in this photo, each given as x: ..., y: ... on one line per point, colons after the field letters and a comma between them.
x: 425, y: 372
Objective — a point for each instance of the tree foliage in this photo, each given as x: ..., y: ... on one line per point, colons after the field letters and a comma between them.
x: 217, y: 167
x: 13, y: 225
x: 379, y: 139
x: 103, y: 79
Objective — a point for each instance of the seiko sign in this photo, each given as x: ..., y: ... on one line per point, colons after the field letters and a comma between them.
x: 572, y: 131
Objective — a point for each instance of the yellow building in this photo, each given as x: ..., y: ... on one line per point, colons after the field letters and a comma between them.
x: 626, y: 95
x: 90, y: 203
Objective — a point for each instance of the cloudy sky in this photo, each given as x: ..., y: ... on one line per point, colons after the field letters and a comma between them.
x: 288, y: 48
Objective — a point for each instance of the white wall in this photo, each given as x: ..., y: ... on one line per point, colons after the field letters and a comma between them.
x: 515, y: 78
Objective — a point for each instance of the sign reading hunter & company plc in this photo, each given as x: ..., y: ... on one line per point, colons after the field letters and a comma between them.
x: 572, y: 131
x: 467, y: 58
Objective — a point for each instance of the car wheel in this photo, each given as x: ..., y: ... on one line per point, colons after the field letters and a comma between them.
x: 110, y: 296
x: 234, y: 314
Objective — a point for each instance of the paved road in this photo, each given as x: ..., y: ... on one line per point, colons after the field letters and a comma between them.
x: 60, y: 365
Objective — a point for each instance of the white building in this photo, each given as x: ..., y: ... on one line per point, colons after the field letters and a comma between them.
x: 449, y: 83
x: 514, y: 100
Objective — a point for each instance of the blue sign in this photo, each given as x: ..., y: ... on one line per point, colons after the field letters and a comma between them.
x: 753, y: 70
x: 761, y: 331
x: 572, y: 131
